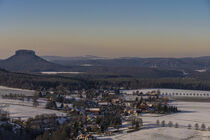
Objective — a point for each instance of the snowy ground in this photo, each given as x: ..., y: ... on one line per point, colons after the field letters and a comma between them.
x: 163, y: 134
x: 6, y: 90
x: 53, y: 73
x: 25, y: 109
x: 192, y: 112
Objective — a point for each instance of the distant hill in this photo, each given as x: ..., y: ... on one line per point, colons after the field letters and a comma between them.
x: 187, y: 63
x: 28, y: 61
x: 128, y: 72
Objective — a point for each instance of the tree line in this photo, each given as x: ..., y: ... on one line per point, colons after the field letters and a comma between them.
x: 37, y: 81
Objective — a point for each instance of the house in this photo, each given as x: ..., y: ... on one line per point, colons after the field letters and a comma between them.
x: 114, y: 101
x: 51, y: 91
x: 93, y: 110
x: 111, y: 93
x: 143, y: 106
x: 103, y: 103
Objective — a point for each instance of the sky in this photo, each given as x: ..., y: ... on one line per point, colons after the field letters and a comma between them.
x: 107, y: 28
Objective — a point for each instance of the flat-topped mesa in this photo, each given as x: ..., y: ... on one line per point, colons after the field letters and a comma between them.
x: 25, y: 52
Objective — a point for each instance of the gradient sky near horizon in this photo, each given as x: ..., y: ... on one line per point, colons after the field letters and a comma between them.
x: 108, y: 28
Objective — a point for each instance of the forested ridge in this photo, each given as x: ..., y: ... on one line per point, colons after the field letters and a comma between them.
x: 36, y: 81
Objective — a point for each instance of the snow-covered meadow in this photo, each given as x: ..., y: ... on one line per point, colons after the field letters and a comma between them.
x: 7, y: 90
x: 23, y: 109
x: 163, y: 134
x: 191, y: 113
x: 54, y: 73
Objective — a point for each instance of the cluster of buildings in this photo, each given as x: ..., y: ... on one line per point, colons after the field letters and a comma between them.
x: 96, y: 103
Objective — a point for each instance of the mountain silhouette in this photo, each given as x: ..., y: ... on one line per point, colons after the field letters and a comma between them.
x: 28, y: 61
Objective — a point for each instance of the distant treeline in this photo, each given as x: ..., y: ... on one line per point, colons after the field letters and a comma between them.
x: 36, y: 81
x: 174, y: 83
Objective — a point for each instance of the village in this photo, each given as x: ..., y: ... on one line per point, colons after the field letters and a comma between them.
x: 90, y: 113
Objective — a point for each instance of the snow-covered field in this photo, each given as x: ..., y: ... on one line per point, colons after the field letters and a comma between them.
x: 192, y: 112
x: 25, y: 112
x: 25, y: 109
x: 201, y: 70
x: 60, y: 72
x: 6, y: 90
x: 163, y: 134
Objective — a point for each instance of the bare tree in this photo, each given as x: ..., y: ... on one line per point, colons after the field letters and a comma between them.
x: 158, y: 123
x: 35, y: 102
x: 163, y: 123
x: 209, y: 128
x: 203, y: 127
x: 170, y: 124
x: 189, y: 126
x: 196, y: 126
x: 176, y: 125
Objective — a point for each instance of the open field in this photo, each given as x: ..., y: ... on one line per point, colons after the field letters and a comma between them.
x: 191, y: 113
x: 54, y: 73
x: 163, y: 134
x: 6, y: 90
x: 25, y: 109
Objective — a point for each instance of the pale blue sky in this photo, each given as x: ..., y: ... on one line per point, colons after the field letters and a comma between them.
x: 143, y: 28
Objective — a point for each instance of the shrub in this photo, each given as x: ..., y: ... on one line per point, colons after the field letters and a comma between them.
x: 189, y: 126
x: 51, y: 105
x: 158, y: 122
x: 203, y: 127
x: 163, y: 123
x: 4, y: 115
x: 196, y: 126
x: 170, y: 124
x: 176, y: 125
